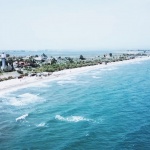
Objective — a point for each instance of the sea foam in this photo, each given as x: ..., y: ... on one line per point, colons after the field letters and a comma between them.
x: 24, y: 99
x: 67, y: 82
x: 109, y: 69
x: 41, y: 84
x: 41, y: 125
x: 95, y: 77
x: 72, y: 118
x: 23, y: 117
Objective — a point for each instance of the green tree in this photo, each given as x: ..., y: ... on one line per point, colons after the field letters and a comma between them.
x: 53, y: 61
x: 81, y: 57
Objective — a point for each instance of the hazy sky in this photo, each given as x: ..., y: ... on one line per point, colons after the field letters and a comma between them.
x: 74, y: 24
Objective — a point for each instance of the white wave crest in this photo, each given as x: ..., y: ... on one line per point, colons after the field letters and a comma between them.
x: 71, y: 118
x: 24, y: 99
x: 95, y: 77
x: 41, y: 84
x: 23, y: 117
x: 67, y: 82
x: 109, y: 69
x: 41, y: 125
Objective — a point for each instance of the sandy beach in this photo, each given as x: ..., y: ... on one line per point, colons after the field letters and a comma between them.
x: 15, y: 84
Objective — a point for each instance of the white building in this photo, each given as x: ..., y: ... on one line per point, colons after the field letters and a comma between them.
x: 3, y: 58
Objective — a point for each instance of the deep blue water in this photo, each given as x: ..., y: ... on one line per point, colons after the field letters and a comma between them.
x: 102, y: 109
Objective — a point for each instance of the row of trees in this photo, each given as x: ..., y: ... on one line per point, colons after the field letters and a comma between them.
x: 60, y: 63
x: 81, y: 62
x: 71, y: 63
x: 58, y: 67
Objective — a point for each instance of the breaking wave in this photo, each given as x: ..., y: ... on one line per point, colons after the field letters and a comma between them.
x: 95, y: 77
x: 23, y: 117
x: 72, y: 118
x: 109, y: 69
x: 24, y: 99
x: 67, y: 82
x: 41, y: 125
x: 40, y: 84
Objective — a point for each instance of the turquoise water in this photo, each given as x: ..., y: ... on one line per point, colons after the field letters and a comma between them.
x: 102, y: 109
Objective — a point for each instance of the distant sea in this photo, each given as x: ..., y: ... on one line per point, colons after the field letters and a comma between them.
x: 57, y: 53
x: 67, y: 53
x: 102, y: 109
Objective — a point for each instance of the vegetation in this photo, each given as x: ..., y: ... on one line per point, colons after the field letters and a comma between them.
x: 20, y: 72
x: 81, y: 57
x: 68, y: 64
x: 6, y: 78
x: 31, y: 65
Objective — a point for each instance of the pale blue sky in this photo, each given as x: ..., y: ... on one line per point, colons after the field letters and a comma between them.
x: 74, y: 24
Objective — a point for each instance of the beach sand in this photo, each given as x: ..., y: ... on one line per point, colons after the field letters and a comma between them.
x: 15, y: 84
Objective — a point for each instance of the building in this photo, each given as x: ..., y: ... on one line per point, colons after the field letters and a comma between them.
x: 3, y: 58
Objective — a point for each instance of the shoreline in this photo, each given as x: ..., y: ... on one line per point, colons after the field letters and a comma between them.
x: 16, y: 84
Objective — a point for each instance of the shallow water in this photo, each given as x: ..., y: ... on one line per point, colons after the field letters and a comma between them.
x: 105, y: 108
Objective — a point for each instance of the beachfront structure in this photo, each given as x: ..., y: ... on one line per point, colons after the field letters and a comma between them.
x: 3, y: 58
x: 41, y: 58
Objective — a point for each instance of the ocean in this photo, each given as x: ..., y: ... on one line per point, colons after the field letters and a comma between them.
x: 62, y: 53
x: 100, y: 109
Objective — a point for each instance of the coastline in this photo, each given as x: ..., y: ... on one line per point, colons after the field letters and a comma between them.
x: 16, y: 84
